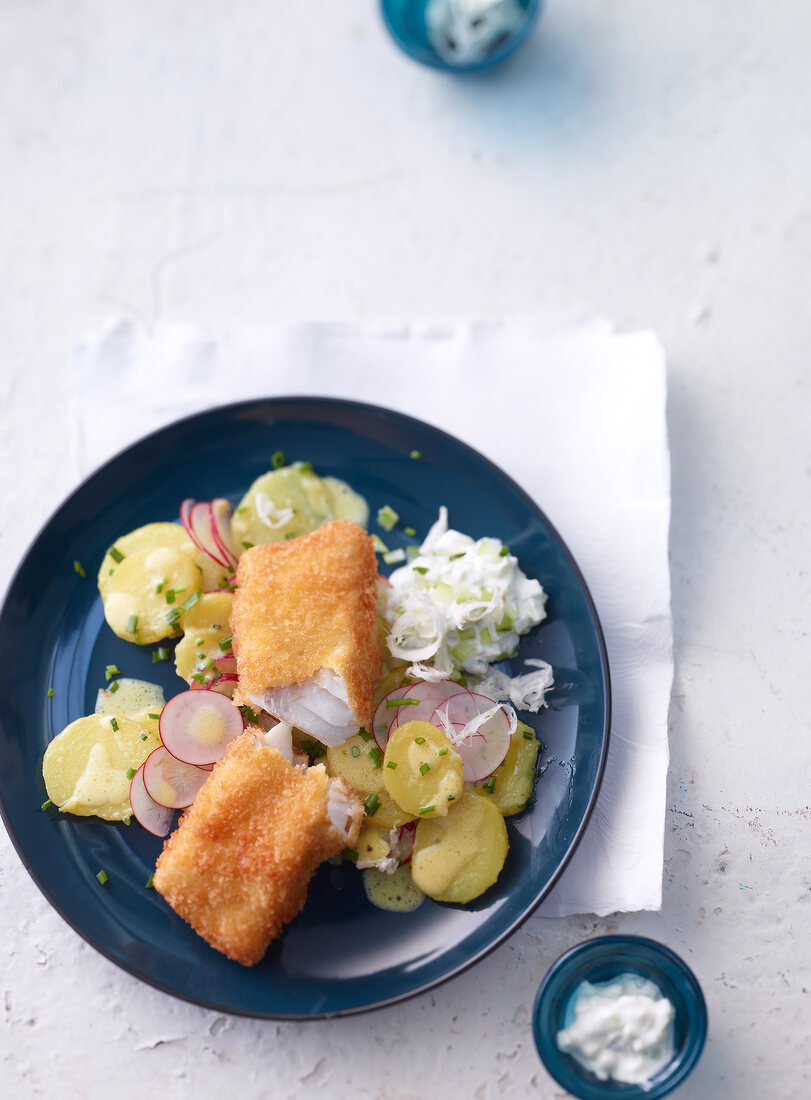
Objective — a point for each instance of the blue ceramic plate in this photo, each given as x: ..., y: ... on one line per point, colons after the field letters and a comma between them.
x: 341, y: 954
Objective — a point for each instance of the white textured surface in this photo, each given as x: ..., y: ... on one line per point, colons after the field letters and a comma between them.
x: 586, y: 439
x: 644, y: 162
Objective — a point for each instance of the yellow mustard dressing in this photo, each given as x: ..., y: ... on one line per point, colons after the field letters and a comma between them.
x: 395, y: 892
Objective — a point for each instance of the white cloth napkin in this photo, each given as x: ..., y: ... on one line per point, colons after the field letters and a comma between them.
x: 575, y: 414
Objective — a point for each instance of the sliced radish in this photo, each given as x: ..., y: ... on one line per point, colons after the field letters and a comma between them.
x: 404, y: 845
x: 219, y: 511
x: 196, y: 518
x: 481, y: 742
x: 155, y: 818
x: 197, y: 726
x: 171, y: 782
x: 430, y: 695
x: 226, y: 685
x: 385, y: 716
x: 226, y: 665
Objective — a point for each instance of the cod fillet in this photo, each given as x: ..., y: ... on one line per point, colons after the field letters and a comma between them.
x: 239, y: 863
x: 304, y: 626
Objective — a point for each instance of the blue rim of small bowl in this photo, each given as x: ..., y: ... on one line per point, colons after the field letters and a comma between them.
x: 600, y: 960
x: 427, y: 55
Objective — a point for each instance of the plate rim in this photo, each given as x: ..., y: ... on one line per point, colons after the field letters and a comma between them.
x: 233, y: 408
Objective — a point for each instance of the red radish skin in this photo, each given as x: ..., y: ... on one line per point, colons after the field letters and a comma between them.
x: 196, y: 519
x: 171, y: 782
x: 385, y: 716
x: 156, y: 819
x: 197, y: 726
x: 219, y: 511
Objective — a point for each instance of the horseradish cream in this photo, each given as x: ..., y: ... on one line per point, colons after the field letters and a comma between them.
x: 465, y: 31
x: 622, y: 1029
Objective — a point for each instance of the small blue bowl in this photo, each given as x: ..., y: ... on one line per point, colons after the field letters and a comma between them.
x: 405, y: 20
x: 601, y: 960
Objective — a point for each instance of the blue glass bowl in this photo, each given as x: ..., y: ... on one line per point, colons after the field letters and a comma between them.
x: 601, y: 960
x: 405, y: 20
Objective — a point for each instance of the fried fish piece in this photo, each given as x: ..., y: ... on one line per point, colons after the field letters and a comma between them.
x: 304, y: 627
x: 238, y: 866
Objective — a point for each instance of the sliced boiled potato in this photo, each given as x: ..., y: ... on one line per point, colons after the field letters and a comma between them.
x: 85, y: 766
x: 205, y: 625
x: 153, y: 536
x: 372, y: 844
x: 292, y: 501
x: 421, y: 770
x: 145, y: 598
x: 458, y: 857
x: 356, y: 761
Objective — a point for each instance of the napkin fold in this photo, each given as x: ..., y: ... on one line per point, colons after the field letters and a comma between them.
x: 574, y: 413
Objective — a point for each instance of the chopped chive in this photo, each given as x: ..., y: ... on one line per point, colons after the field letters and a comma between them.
x: 173, y: 616
x: 416, y: 455
x: 132, y: 624
x: 504, y: 551
x: 248, y: 545
x: 150, y: 884
x: 372, y: 804
x: 127, y: 820
x: 226, y: 644
x: 419, y: 740
x: 454, y: 557
x: 79, y: 568
x: 114, y: 687
x: 143, y: 737
x: 420, y: 569
x: 114, y: 725
x: 409, y: 531
x: 277, y: 460
x: 489, y: 785
x: 350, y: 854
x: 110, y: 671
x: 427, y: 809
x: 208, y: 663
x: 130, y: 773
x: 160, y: 654
x: 50, y: 693
x: 170, y: 595
x: 102, y: 877
x: 451, y: 798
x: 375, y: 755
x: 402, y: 702
x: 160, y: 586
x: 379, y: 545
x: 424, y: 769
x: 365, y: 734
x: 393, y: 556
x: 116, y: 554
x: 199, y: 642
x: 46, y: 805
x: 392, y: 764
x: 249, y: 713
x: 443, y: 751
x: 387, y: 517
x: 355, y: 751
x: 529, y: 735
x: 110, y: 572
x: 289, y: 535
x: 459, y: 679
x: 244, y: 507
x: 154, y: 717
x: 192, y: 600
x: 305, y: 467
x: 200, y: 677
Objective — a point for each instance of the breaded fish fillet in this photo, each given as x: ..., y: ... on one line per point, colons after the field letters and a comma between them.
x: 304, y: 625
x: 238, y: 865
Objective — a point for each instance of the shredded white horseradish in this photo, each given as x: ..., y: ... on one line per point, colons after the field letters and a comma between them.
x: 463, y: 604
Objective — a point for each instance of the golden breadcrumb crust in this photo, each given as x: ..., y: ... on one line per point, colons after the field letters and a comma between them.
x: 308, y: 604
x: 238, y: 865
